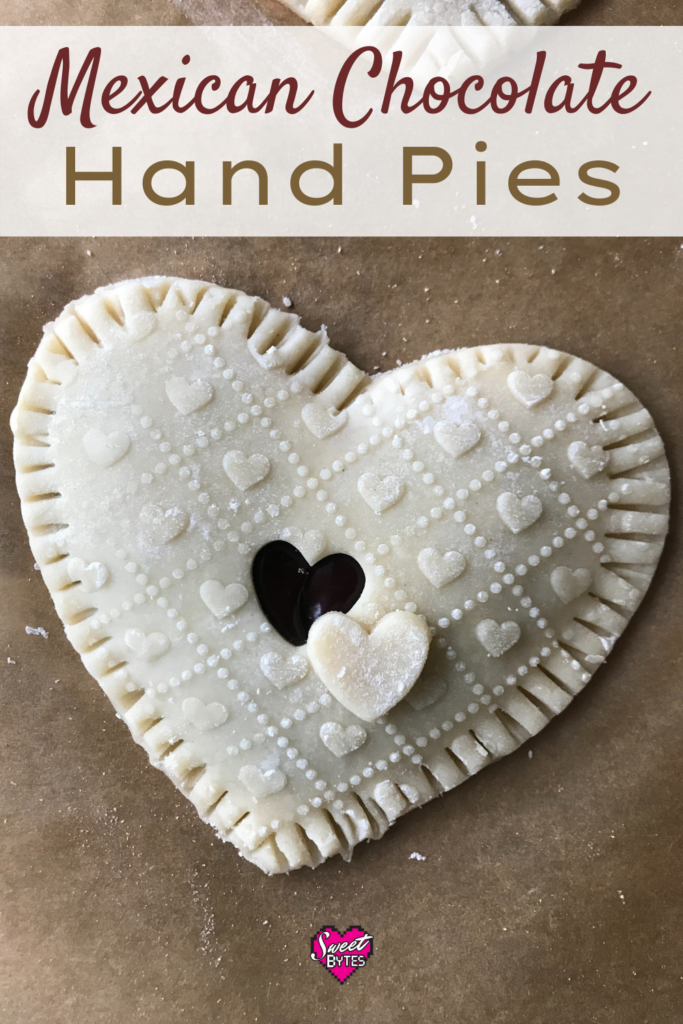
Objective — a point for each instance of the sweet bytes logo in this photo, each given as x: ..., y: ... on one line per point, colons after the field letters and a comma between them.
x: 342, y: 954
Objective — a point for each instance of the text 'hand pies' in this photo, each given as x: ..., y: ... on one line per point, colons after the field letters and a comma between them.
x: 455, y: 546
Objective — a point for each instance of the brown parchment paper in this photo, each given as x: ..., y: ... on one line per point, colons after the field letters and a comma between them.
x: 551, y: 889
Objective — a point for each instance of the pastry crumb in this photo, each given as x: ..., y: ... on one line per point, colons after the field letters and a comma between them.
x: 416, y: 856
x: 37, y: 631
x: 286, y: 301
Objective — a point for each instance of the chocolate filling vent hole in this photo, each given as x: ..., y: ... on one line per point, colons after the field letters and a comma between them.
x: 293, y: 594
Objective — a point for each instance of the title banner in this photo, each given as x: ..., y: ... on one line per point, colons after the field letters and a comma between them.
x: 298, y: 131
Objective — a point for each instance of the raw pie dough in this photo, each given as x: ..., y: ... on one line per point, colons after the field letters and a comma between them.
x: 451, y: 49
x: 431, y: 12
x: 507, y: 503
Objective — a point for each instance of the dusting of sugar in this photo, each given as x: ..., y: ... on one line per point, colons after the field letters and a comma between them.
x: 194, y: 533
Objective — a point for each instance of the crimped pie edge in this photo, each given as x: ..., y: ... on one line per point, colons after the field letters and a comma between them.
x: 324, y: 832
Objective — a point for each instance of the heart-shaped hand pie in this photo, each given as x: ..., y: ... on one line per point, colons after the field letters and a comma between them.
x: 508, y: 505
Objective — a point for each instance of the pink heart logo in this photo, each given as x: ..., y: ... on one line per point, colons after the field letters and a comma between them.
x: 341, y: 954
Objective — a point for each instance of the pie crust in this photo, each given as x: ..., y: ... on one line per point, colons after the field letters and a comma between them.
x: 513, y: 498
x: 495, y: 13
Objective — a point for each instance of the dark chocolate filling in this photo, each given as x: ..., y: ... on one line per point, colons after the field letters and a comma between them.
x: 293, y: 594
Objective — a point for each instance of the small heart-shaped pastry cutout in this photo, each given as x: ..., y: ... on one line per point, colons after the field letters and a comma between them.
x: 105, y: 449
x: 457, y: 439
x: 497, y: 637
x: 323, y: 422
x: 91, y: 577
x: 163, y: 525
x: 222, y: 600
x: 528, y: 390
x: 342, y: 741
x: 519, y: 513
x: 380, y: 493
x: 283, y: 671
x: 251, y: 531
x: 245, y: 472
x: 369, y: 674
x: 188, y: 396
x: 204, y: 716
x: 588, y: 460
x: 569, y: 584
x: 147, y: 647
x: 262, y: 781
x: 441, y: 569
